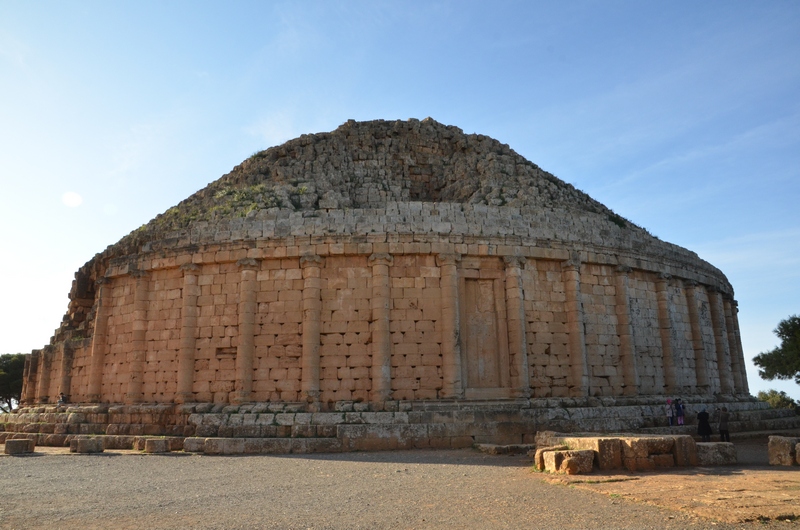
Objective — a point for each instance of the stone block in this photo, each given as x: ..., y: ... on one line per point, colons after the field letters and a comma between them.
x: 55, y: 440
x: 156, y: 445
x: 782, y: 451
x: 19, y: 446
x: 685, y: 451
x: 538, y: 457
x: 193, y: 445
x: 664, y: 460
x: 568, y: 462
x: 577, y: 462
x: 716, y: 454
x: 86, y: 445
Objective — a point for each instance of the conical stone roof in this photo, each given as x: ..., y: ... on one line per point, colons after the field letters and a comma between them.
x: 364, y: 165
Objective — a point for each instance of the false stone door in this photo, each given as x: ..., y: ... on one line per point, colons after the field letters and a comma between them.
x: 484, y: 339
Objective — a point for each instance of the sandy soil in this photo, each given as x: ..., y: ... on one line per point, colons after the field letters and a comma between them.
x: 752, y: 490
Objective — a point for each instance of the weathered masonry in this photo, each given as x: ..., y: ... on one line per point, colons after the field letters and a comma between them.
x: 391, y: 266
x: 320, y: 319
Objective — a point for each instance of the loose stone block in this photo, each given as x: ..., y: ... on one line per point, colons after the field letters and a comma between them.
x: 19, y: 446
x: 577, y: 462
x: 156, y: 445
x: 538, y: 458
x: 568, y: 462
x: 716, y: 454
x: 782, y: 451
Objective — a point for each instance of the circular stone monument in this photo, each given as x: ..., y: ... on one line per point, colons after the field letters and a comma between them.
x: 386, y: 262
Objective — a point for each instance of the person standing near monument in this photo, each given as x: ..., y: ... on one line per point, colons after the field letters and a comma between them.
x: 703, y: 426
x: 724, y: 417
x: 679, y: 411
x: 670, y: 410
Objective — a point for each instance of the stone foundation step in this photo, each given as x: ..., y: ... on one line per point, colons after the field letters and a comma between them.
x: 252, y: 446
x: 776, y: 423
x: 512, y: 449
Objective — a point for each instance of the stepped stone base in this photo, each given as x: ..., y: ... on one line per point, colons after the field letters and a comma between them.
x: 294, y: 427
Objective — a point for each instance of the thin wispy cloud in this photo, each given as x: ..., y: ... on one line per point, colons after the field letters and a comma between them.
x: 12, y: 50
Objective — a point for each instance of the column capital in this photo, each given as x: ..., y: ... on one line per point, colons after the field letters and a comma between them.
x: 249, y: 264
x: 690, y: 283
x: 448, y: 259
x: 190, y: 267
x: 572, y: 264
x: 380, y: 258
x: 310, y: 260
x: 102, y: 281
x: 664, y: 276
x: 515, y: 261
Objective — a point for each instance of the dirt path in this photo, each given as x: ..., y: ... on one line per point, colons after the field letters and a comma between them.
x: 749, y: 491
x: 403, y: 489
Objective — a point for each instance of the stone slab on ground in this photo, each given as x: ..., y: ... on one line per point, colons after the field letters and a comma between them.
x: 782, y: 451
x: 19, y: 446
x: 716, y: 454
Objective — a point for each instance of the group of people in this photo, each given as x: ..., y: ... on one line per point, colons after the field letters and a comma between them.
x: 676, y: 413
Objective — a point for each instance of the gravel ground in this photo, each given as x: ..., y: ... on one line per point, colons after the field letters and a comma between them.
x: 402, y: 489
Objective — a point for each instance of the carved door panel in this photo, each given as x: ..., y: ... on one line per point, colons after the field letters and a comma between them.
x: 483, y: 369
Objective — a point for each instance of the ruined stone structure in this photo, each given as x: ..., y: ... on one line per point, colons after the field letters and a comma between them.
x: 391, y: 262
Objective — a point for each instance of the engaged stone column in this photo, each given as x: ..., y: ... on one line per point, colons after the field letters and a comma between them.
x: 701, y: 372
x: 43, y: 384
x: 65, y: 370
x: 99, y: 341
x: 452, y: 386
x: 28, y: 395
x: 665, y: 327
x: 136, y: 358
x: 381, y: 336
x: 312, y: 307
x: 630, y: 373
x: 721, y: 342
x: 736, y: 367
x: 738, y: 341
x: 247, y: 329
x: 517, y: 339
x: 579, y: 368
x: 188, y: 333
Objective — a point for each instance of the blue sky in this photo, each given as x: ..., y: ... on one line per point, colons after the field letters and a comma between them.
x: 681, y: 116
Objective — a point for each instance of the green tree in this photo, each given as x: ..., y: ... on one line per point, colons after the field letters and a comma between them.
x: 11, y: 368
x: 777, y: 400
x: 784, y: 361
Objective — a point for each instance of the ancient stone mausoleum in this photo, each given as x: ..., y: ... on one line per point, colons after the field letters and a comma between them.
x: 388, y: 265
x: 390, y: 261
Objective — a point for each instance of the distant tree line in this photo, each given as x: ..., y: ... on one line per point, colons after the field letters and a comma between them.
x: 12, y: 366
